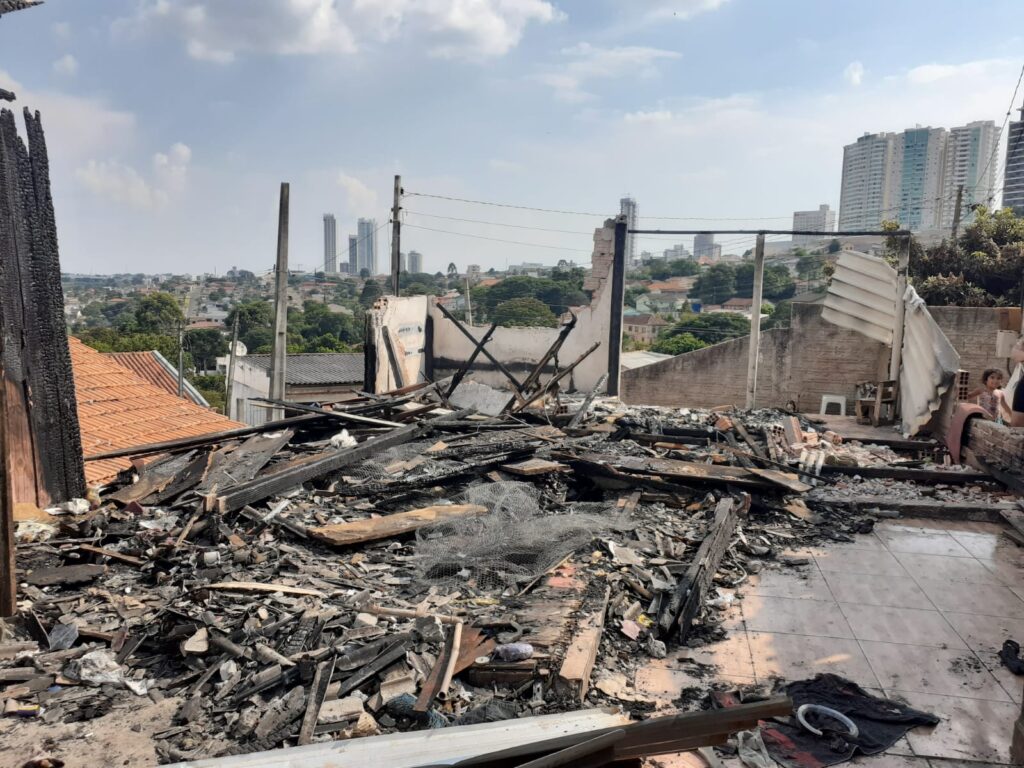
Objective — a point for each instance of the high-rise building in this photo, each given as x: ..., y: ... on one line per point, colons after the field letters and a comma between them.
x: 402, y: 263
x: 970, y: 160
x: 821, y: 220
x: 912, y: 177
x: 868, y: 171
x: 353, y: 255
x: 704, y: 247
x: 676, y: 252
x: 473, y: 273
x: 629, y: 209
x: 330, y: 243
x: 366, y: 245
x: 415, y: 261
x: 1013, y: 175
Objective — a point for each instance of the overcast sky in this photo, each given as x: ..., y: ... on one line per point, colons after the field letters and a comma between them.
x: 170, y: 124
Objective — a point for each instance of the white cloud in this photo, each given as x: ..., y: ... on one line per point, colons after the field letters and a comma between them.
x: 588, y: 62
x: 361, y: 200
x: 221, y: 31
x: 75, y: 126
x: 62, y: 30
x: 121, y: 183
x: 854, y: 73
x: 655, y: 116
x: 933, y: 73
x: 66, y: 65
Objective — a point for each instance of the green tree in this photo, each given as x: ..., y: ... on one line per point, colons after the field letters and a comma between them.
x: 711, y: 327
x: 206, y: 345
x: 524, y: 311
x: 158, y: 313
x: 780, y: 316
x: 255, y: 323
x: 370, y: 293
x: 834, y: 246
x: 778, y: 283
x: 716, y: 284
x: 633, y: 293
x: 659, y: 270
x: 683, y: 267
x: 678, y: 344
x: 113, y: 340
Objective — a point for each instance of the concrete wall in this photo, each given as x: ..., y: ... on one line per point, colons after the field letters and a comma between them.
x: 250, y: 381
x: 406, y: 319
x: 797, y: 365
x: 519, y: 349
x: 810, y: 359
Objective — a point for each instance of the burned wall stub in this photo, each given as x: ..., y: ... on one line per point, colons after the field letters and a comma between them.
x: 44, y: 444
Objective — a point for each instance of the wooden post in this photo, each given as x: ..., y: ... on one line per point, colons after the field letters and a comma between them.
x: 956, y: 212
x: 396, y: 236
x: 469, y: 305
x: 279, y: 356
x: 896, y: 355
x: 755, y: 322
x: 8, y: 586
x: 618, y: 294
x: 231, y: 368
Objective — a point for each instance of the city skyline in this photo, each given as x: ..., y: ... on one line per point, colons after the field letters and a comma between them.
x: 190, y: 179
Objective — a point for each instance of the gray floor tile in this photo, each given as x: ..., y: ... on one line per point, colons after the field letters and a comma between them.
x: 866, y: 589
x: 861, y: 561
x: 933, y: 543
x: 798, y: 657
x: 794, y: 616
x: 948, y: 568
x: 965, y: 597
x: 901, y: 625
x: 948, y: 672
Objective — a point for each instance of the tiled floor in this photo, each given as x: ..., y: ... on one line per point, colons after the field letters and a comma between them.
x: 916, y: 610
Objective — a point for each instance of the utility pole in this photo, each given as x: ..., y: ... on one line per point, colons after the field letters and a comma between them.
x: 956, y: 210
x: 279, y: 356
x: 469, y: 304
x: 755, y: 323
x: 396, y: 235
x: 231, y: 368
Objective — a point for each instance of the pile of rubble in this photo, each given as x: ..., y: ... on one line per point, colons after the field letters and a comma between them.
x: 397, y: 564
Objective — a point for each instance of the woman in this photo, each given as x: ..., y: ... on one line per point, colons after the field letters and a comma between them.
x: 1014, y: 392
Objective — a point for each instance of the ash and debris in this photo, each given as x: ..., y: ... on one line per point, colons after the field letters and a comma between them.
x: 237, y: 615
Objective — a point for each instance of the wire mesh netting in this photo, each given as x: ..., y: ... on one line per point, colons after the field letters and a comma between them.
x: 514, y: 542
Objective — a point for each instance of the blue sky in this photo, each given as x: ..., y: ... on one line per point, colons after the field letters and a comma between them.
x: 171, y: 124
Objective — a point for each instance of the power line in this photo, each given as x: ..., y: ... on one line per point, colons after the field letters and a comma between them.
x: 1006, y: 119
x: 498, y: 239
x: 585, y: 213
x: 499, y: 224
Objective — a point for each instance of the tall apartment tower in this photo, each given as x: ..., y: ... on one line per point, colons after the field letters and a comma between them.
x: 1013, y: 176
x: 970, y: 160
x: 353, y: 255
x: 868, y: 178
x: 629, y: 209
x: 920, y: 155
x: 704, y: 247
x: 330, y: 243
x: 366, y: 246
x: 821, y: 220
x: 415, y: 260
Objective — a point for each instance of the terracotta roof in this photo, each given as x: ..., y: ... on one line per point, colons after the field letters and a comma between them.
x: 117, y: 409
x: 154, y: 368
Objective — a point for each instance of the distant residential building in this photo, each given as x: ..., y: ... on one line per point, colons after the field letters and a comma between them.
x: 366, y: 245
x: 643, y: 328
x: 330, y: 244
x: 353, y: 255
x: 704, y: 247
x: 402, y: 263
x: 660, y: 302
x: 912, y: 177
x: 629, y: 209
x: 473, y: 273
x: 1013, y: 175
x: 646, y: 257
x: 677, y: 252
x: 821, y: 220
x: 415, y: 261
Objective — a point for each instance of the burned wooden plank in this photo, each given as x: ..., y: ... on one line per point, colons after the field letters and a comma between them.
x: 246, y: 460
x: 359, y: 531
x: 681, y: 470
x: 157, y: 476
x: 472, y: 645
x: 64, y: 575
x: 317, y: 692
x: 468, y: 364
x: 532, y: 467
x: 679, y: 611
x: 927, y: 508
x: 930, y: 476
x: 239, y: 496
x: 187, y: 479
x: 393, y: 361
x: 574, y: 674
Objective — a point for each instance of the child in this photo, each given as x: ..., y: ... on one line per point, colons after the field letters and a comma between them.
x: 988, y: 393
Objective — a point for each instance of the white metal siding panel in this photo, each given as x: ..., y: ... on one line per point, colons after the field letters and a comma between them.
x: 929, y: 365
x: 862, y: 296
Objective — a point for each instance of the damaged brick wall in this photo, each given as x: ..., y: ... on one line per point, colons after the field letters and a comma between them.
x: 972, y: 332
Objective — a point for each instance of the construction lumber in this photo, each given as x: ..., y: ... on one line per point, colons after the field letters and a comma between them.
x: 692, y: 471
x: 213, y: 438
x: 472, y: 645
x: 926, y: 508
x: 255, y: 586
x: 532, y: 467
x: 64, y: 575
x: 360, y: 531
x: 679, y: 611
x: 574, y: 674
x: 188, y: 478
x: 154, y: 479
x: 317, y: 693
x: 239, y: 496
x: 393, y: 362
x: 550, y: 385
x: 340, y: 414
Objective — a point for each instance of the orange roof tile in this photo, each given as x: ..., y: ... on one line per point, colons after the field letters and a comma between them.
x: 118, y: 409
x: 152, y: 367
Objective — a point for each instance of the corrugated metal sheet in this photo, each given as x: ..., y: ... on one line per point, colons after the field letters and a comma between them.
x: 318, y: 367
x: 862, y: 296
x: 929, y: 365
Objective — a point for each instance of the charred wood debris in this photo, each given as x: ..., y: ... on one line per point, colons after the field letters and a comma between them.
x: 397, y: 564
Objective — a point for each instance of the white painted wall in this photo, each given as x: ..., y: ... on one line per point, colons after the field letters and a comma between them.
x: 249, y: 381
x: 406, y: 318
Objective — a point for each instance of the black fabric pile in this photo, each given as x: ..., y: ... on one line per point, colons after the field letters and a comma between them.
x: 881, y: 723
x: 1009, y: 654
